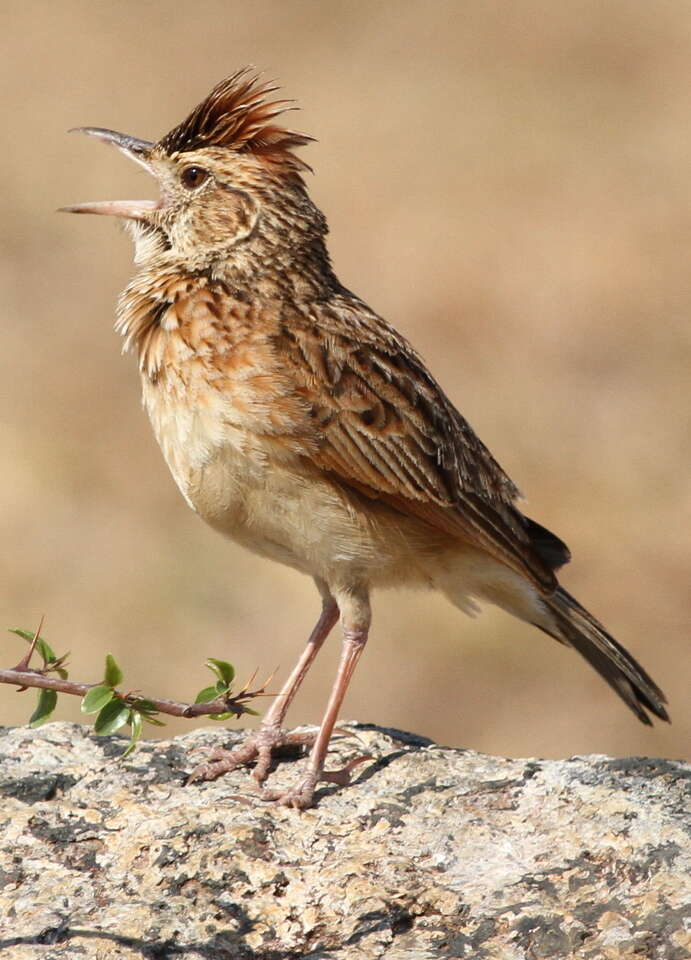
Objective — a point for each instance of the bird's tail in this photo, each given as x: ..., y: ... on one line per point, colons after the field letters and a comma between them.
x: 580, y: 630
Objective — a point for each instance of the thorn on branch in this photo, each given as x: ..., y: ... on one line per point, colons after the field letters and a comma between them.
x: 26, y: 659
x: 115, y: 709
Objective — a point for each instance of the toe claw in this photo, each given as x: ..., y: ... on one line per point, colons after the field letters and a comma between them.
x: 263, y: 766
x: 343, y: 776
x: 258, y: 747
x: 219, y: 762
x: 299, y: 797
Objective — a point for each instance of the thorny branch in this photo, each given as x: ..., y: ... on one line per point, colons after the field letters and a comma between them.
x: 235, y: 704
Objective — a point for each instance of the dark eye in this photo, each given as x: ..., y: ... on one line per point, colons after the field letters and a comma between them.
x: 193, y: 177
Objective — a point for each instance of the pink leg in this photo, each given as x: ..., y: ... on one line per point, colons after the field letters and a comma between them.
x: 259, y: 745
x: 355, y: 615
x: 279, y: 708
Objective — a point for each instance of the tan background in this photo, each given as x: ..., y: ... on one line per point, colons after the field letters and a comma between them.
x: 511, y: 185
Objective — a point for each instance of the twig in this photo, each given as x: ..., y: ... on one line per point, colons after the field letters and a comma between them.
x: 30, y: 678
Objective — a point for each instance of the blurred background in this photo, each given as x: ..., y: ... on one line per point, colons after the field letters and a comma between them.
x: 510, y: 184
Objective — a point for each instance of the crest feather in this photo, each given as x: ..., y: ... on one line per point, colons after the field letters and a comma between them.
x: 237, y: 114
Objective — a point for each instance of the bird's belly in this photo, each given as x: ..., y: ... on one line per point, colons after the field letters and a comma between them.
x: 269, y: 506
x: 305, y: 521
x: 206, y: 456
x: 279, y: 507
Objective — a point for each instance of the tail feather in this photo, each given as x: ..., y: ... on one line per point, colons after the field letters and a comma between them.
x: 613, y: 662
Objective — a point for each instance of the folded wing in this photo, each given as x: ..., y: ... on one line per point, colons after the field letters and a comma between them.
x: 385, y: 427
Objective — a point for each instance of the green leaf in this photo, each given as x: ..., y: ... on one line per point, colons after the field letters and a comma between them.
x: 208, y: 694
x: 219, y: 716
x: 62, y: 673
x: 46, y: 651
x: 147, y: 710
x: 113, y: 674
x: 111, y: 717
x: 44, y: 648
x: 45, y: 706
x: 143, y: 705
x: 135, y: 721
x: 223, y: 670
x: 148, y: 718
x: 96, y: 698
x: 252, y: 713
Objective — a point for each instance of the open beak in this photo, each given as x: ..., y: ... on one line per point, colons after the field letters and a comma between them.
x: 137, y: 150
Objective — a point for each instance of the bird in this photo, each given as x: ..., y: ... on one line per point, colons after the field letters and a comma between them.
x: 302, y: 425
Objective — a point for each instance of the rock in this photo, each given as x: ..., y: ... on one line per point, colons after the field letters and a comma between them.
x: 431, y: 853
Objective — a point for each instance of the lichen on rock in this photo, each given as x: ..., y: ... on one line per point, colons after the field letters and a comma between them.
x: 431, y: 852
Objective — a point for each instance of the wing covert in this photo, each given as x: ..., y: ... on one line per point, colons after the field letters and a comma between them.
x: 385, y: 427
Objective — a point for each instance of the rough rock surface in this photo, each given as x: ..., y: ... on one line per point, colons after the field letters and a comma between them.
x: 431, y: 853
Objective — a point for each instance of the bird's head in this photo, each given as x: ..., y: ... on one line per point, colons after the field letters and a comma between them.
x: 226, y: 175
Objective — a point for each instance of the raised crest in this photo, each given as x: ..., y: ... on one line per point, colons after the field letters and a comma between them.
x: 240, y: 115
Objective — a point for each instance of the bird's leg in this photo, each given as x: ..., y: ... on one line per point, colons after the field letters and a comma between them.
x: 355, y: 618
x: 260, y: 744
x: 270, y: 734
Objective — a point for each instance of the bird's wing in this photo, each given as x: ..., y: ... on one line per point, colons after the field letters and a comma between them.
x: 385, y: 427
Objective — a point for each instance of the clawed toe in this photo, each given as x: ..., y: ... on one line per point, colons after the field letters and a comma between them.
x: 219, y: 762
x: 264, y: 762
x: 301, y: 796
x: 343, y: 776
x: 259, y: 748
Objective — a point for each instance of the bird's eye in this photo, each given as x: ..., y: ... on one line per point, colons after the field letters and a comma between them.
x: 193, y: 177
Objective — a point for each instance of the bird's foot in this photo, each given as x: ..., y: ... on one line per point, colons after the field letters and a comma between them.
x: 258, y: 748
x: 301, y: 796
